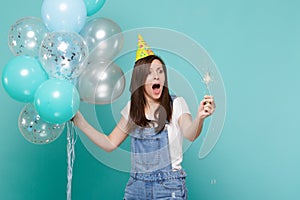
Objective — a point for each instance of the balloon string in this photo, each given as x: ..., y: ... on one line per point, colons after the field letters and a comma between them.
x: 71, y: 140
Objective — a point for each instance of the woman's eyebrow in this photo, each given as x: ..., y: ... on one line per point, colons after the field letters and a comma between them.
x: 159, y: 67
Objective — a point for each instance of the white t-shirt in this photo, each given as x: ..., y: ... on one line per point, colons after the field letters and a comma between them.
x: 174, y: 134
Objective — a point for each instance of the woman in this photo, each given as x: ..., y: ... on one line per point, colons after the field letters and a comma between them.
x: 156, y: 123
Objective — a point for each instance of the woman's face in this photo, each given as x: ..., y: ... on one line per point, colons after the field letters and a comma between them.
x: 155, y: 81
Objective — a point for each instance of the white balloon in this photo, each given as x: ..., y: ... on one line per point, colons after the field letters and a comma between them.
x: 101, y: 83
x: 103, y: 37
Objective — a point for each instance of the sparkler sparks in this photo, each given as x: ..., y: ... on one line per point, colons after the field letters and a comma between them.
x: 207, y: 78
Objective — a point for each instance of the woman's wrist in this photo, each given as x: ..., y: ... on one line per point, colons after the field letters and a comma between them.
x: 80, y: 121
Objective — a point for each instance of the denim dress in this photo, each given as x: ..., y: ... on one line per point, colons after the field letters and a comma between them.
x: 151, y: 174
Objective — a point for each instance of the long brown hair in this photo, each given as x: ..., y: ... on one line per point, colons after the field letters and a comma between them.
x: 163, y: 113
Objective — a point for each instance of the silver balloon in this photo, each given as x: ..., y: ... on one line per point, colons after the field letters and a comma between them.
x: 104, y: 39
x: 63, y: 55
x: 36, y: 130
x: 101, y: 83
x: 26, y: 35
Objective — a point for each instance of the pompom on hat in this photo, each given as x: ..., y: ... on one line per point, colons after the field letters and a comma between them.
x: 143, y: 50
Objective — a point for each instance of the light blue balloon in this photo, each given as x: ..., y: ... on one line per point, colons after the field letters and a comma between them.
x: 64, y: 15
x: 21, y: 77
x: 57, y: 101
x: 93, y: 6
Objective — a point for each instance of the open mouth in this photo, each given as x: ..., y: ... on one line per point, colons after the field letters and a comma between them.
x: 155, y: 86
x: 156, y: 89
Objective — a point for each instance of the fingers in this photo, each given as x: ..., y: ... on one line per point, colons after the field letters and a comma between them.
x: 209, y: 99
x: 208, y: 107
x: 78, y: 117
x: 208, y: 104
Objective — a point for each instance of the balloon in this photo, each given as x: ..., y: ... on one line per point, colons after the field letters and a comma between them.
x: 63, y: 54
x: 36, y: 130
x: 101, y: 83
x: 64, y: 15
x: 26, y: 35
x: 21, y: 77
x: 103, y: 37
x: 93, y: 6
x: 56, y: 101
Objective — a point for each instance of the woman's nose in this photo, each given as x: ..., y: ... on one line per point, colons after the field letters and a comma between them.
x: 155, y: 76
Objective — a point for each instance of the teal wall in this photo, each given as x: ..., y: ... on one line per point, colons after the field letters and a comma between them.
x: 256, y: 46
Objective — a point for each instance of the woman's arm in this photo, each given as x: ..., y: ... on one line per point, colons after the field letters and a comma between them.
x: 106, y: 142
x: 192, y: 129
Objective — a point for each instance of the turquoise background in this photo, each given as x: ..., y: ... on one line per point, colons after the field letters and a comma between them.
x: 256, y: 46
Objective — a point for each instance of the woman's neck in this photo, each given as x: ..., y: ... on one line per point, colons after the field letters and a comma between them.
x: 151, y: 107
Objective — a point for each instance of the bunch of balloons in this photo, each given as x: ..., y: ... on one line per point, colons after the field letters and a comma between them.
x: 60, y: 60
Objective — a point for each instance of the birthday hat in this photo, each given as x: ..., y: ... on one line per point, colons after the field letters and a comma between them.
x: 143, y: 50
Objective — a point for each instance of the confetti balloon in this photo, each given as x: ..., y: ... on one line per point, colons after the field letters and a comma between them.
x: 101, y: 83
x: 103, y: 37
x: 63, y: 55
x: 36, y: 130
x: 26, y: 36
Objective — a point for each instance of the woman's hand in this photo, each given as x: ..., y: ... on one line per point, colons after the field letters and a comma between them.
x: 207, y: 107
x: 78, y: 120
